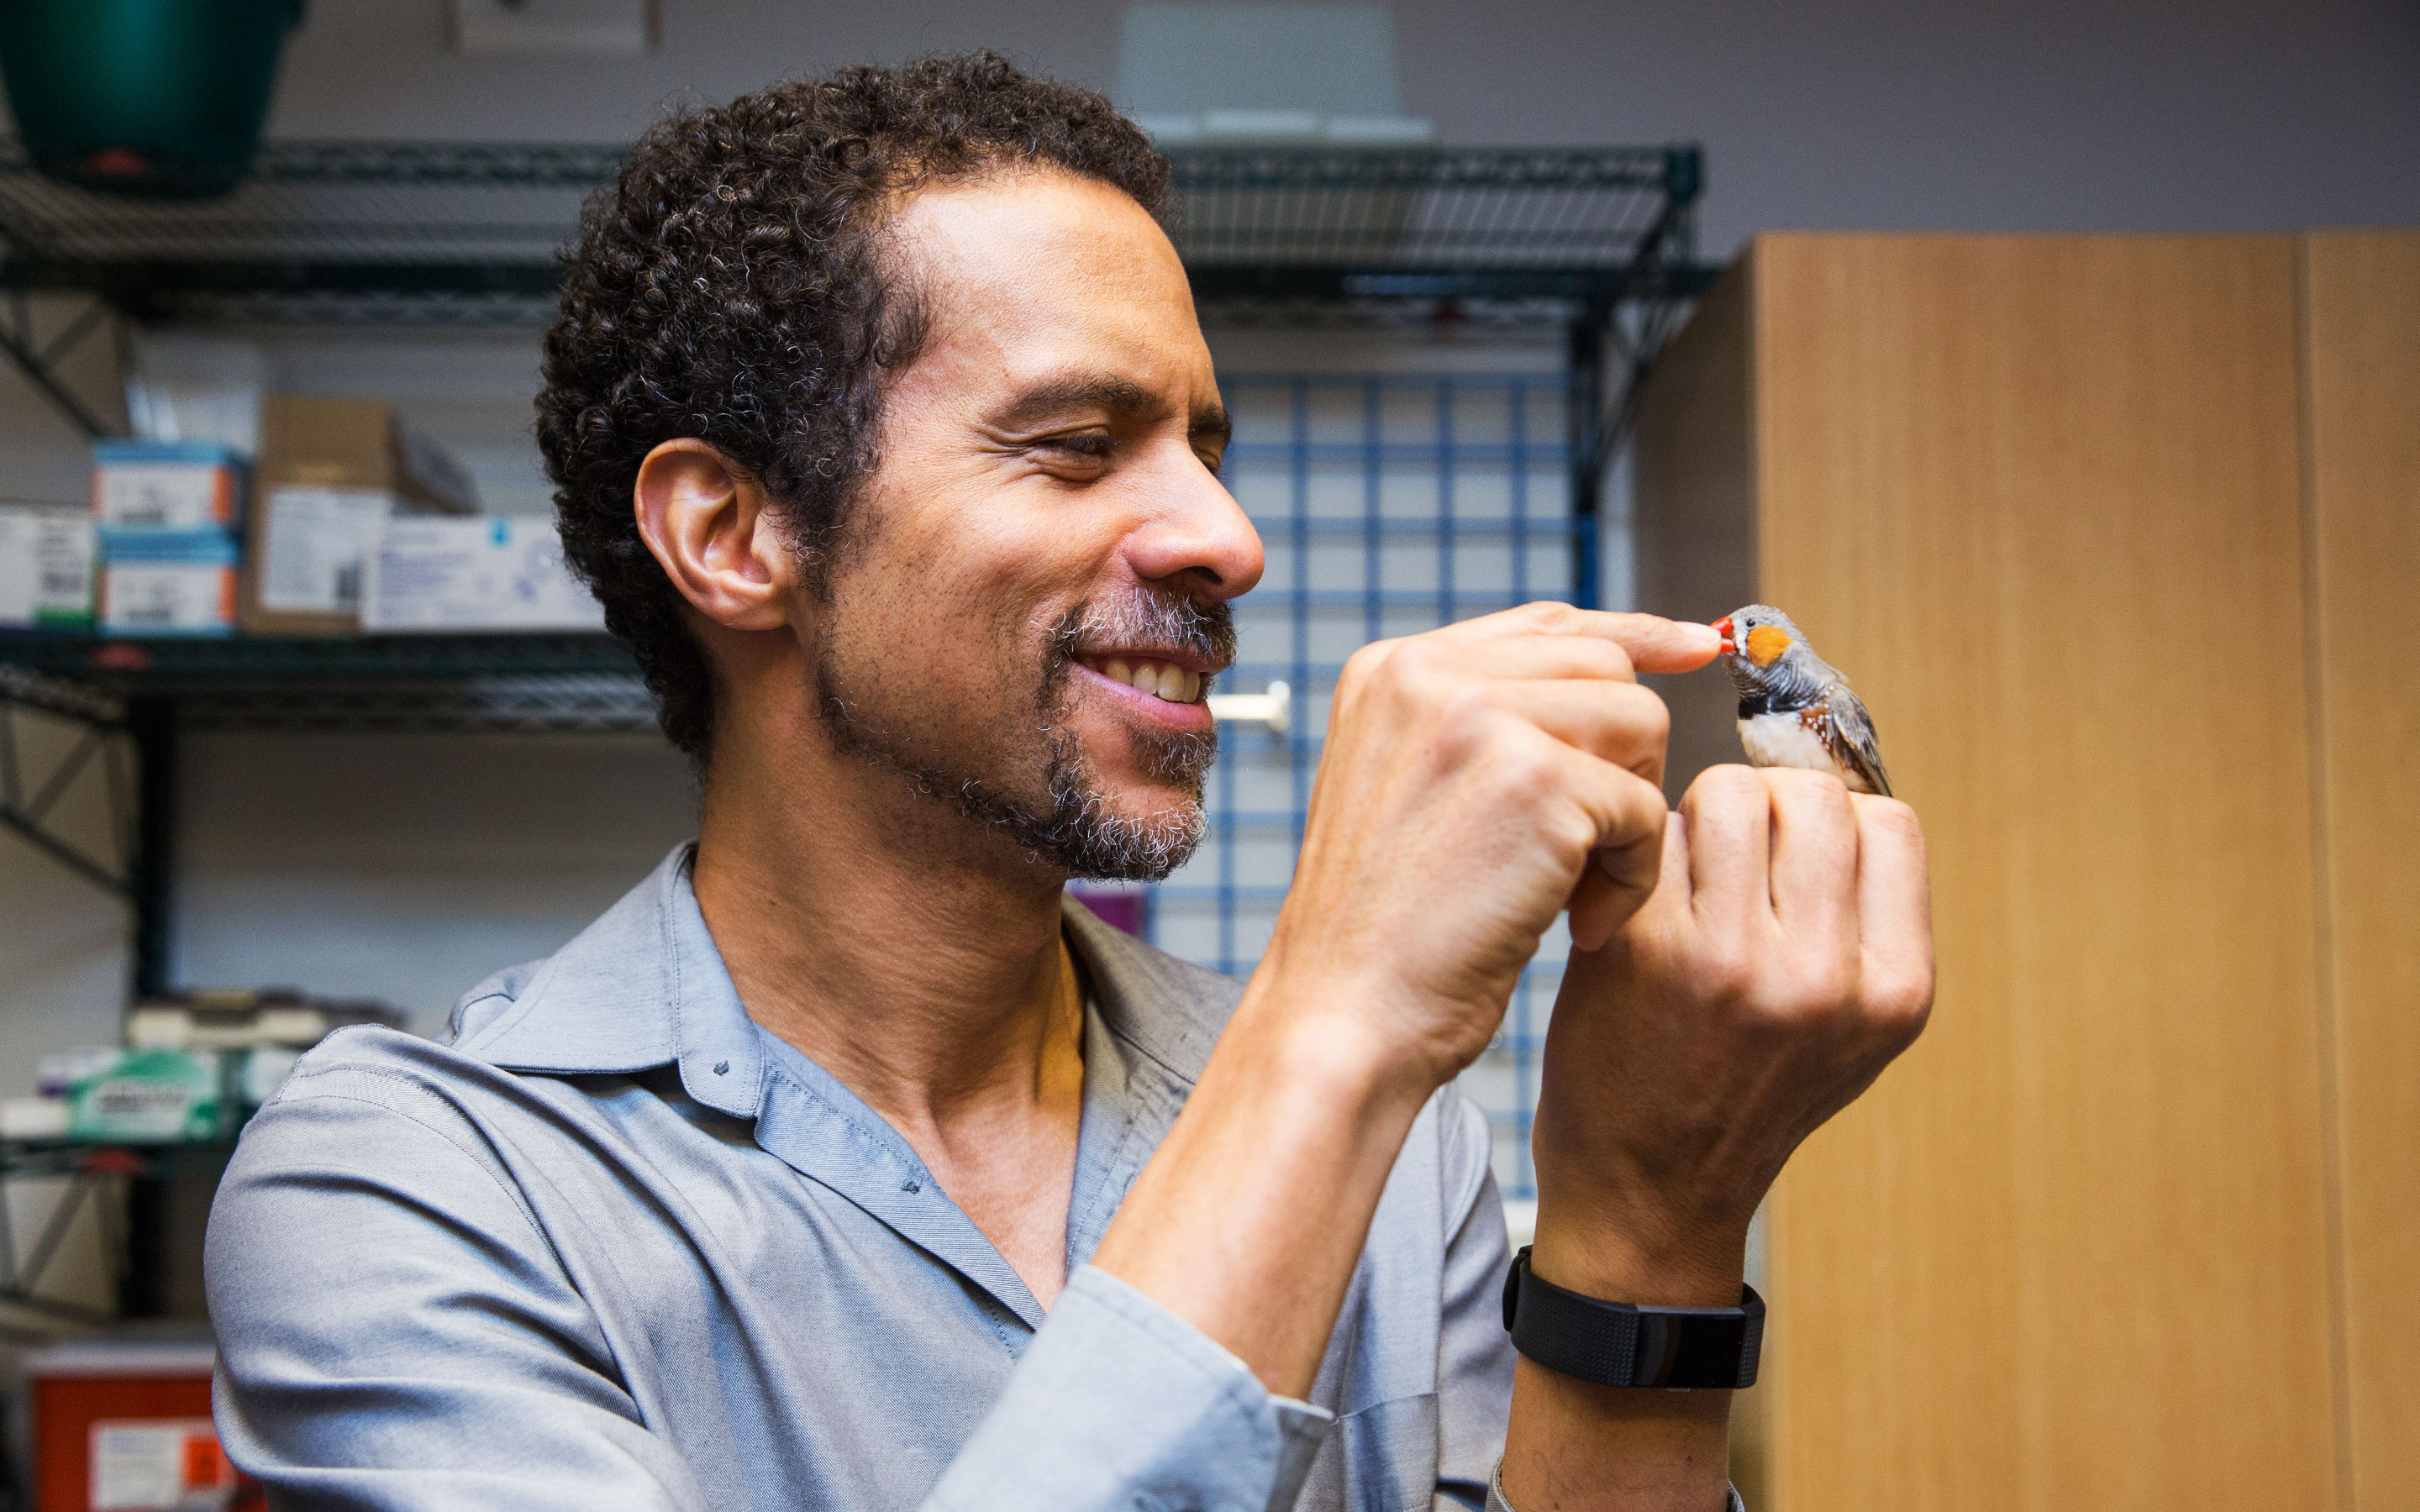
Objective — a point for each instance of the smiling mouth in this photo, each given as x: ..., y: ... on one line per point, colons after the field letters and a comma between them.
x: 1156, y: 675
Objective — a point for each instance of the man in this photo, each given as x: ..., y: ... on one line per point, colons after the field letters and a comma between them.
x: 843, y: 1163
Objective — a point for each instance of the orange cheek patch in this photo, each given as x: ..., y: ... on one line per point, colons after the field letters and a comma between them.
x: 1765, y: 645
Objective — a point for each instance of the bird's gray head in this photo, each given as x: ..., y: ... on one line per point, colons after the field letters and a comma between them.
x: 1763, y: 646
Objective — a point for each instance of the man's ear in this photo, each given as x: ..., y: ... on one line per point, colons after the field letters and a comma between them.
x: 711, y: 527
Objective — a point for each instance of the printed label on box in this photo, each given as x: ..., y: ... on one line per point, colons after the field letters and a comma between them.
x: 159, y: 1465
x: 313, y: 542
x: 46, y: 559
x: 173, y: 496
x: 501, y: 573
x: 171, y: 598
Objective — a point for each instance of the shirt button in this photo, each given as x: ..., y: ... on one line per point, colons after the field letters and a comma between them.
x: 909, y: 1187
x: 722, y: 1067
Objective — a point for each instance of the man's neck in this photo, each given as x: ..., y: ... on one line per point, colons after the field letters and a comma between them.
x: 859, y: 933
x: 910, y: 953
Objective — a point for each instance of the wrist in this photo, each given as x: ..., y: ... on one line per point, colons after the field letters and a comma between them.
x: 1637, y: 1258
x: 1337, y: 1033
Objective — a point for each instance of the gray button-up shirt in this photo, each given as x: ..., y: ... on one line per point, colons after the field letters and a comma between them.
x: 617, y: 1247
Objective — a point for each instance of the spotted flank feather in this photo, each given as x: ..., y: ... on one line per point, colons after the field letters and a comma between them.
x: 1849, y: 734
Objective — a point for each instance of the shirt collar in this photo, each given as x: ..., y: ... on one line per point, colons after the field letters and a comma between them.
x: 644, y: 986
x: 641, y: 987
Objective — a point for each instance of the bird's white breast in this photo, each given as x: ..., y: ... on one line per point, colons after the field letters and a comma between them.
x: 1782, y: 740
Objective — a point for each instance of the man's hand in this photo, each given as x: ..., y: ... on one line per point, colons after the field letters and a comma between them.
x: 1784, y: 959
x: 1478, y: 779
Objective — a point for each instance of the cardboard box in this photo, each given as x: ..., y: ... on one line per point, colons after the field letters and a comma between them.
x: 332, y: 471
x: 501, y: 573
x: 166, y: 485
x: 167, y: 582
x: 47, y: 554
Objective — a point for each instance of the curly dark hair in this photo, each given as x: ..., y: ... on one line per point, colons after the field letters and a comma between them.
x: 732, y: 286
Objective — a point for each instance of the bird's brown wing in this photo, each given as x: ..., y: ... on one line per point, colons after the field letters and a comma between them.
x: 1850, y: 732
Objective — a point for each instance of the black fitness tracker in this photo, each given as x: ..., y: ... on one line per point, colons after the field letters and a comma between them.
x: 1616, y: 1344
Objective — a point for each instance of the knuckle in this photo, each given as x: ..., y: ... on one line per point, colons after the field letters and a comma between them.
x: 1892, y: 815
x: 1550, y: 616
x: 1830, y: 988
x: 1570, y: 830
x: 1524, y: 768
x: 1462, y: 702
x: 1653, y: 715
x: 1906, y: 996
x: 1811, y: 996
x: 1360, y: 667
x: 1729, y: 786
x: 1802, y: 786
x: 1414, y: 673
x: 1726, y: 972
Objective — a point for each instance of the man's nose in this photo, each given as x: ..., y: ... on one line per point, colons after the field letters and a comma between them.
x: 1196, y: 533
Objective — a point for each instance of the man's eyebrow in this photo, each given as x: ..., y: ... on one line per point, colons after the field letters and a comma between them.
x: 1054, y: 398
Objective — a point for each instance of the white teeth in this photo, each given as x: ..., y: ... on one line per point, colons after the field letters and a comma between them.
x: 1164, y: 681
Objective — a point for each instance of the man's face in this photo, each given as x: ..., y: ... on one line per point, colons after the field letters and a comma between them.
x: 1031, y: 596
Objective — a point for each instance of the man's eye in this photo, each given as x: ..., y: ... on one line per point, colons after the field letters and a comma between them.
x: 1093, y: 447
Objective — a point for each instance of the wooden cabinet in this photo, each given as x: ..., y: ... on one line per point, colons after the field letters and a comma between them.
x: 2362, y: 368
x: 2109, y: 532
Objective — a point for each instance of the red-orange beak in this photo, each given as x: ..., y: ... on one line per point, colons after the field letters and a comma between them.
x: 1723, y: 628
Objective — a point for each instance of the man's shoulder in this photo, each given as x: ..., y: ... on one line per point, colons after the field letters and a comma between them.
x: 373, y: 1066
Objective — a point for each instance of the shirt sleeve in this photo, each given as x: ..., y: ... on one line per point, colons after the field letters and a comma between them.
x: 394, y: 1333
x: 1119, y: 1403
x: 1474, y: 1353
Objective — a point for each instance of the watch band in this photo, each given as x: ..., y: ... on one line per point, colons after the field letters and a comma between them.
x: 1616, y: 1344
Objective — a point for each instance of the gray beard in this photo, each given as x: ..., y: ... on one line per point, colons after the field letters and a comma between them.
x: 1075, y: 830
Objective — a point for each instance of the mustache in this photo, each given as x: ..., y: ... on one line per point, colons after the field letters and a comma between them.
x: 1147, y: 620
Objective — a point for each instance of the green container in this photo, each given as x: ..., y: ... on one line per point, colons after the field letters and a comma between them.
x: 152, y: 1095
x: 161, y: 98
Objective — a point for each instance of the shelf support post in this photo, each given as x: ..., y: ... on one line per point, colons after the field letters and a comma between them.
x: 151, y: 722
x: 1584, y: 412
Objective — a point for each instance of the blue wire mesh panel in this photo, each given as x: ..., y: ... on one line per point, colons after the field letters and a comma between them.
x: 1389, y: 504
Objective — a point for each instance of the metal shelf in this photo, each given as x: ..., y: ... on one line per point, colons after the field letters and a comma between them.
x: 131, y: 665
x: 134, y: 701
x: 450, y: 683
x: 416, y: 232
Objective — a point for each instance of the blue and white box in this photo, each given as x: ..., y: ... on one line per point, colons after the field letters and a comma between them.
x: 167, y: 485
x: 167, y: 582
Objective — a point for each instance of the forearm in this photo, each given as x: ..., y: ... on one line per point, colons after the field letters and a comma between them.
x: 1248, y: 1221
x: 1577, y: 1447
